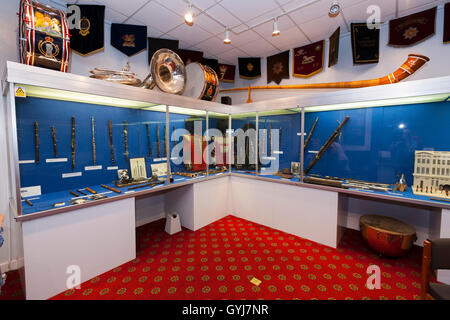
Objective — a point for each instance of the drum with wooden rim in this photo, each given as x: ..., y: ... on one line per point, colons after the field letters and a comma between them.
x: 388, y: 236
x: 201, y: 82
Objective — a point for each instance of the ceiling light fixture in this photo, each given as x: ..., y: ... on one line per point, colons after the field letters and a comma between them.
x: 276, y: 31
x: 334, y: 9
x: 227, y: 39
x: 189, y: 16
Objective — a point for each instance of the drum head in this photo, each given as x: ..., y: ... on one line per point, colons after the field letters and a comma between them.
x: 387, y: 224
x: 195, y: 80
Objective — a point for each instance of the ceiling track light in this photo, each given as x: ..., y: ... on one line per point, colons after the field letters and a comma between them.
x: 227, y: 39
x: 276, y: 31
x: 189, y: 16
x: 335, y: 9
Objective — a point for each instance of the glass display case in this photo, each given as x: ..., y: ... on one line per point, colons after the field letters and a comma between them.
x: 244, y: 143
x: 280, y: 143
x: 217, y: 153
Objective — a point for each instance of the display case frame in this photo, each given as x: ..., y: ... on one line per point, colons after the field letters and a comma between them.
x: 81, y: 87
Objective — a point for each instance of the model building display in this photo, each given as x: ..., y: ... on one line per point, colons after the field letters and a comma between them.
x: 432, y: 174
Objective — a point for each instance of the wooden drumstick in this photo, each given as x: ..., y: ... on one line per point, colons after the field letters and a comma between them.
x: 90, y: 190
x: 112, y: 189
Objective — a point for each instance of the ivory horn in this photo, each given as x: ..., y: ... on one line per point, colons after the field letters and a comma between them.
x: 411, y: 65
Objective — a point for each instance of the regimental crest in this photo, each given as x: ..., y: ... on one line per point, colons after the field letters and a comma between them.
x: 128, y: 40
x: 277, y: 68
x: 85, y: 26
x: 250, y: 67
x: 410, y: 33
x: 223, y: 70
x: 308, y: 60
x: 48, y: 48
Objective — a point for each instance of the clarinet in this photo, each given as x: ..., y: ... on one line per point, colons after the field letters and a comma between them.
x: 111, y: 145
x: 55, y: 148
x: 125, y: 135
x: 94, y: 149
x: 36, y: 140
x: 73, y: 143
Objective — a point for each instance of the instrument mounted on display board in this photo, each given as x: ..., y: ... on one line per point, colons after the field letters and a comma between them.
x: 55, y: 147
x: 125, y: 138
x: 149, y: 140
x: 36, y: 141
x: 73, y: 143
x: 94, y: 147
x: 111, y: 144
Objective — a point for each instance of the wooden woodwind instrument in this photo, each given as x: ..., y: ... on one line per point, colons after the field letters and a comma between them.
x: 125, y: 136
x: 111, y: 144
x: 94, y: 148
x: 73, y: 143
x: 327, y: 144
x: 310, y: 134
x: 412, y: 64
x: 149, y: 141
x: 55, y: 147
x: 110, y: 188
x: 36, y: 140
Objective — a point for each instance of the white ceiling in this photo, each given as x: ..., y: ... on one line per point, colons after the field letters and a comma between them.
x: 164, y: 19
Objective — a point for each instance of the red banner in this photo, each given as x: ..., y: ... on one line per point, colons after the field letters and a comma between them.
x: 308, y: 60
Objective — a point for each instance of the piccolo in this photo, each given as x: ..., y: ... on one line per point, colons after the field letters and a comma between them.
x: 149, y: 141
x: 111, y: 145
x: 73, y: 143
x: 125, y: 136
x: 326, y: 145
x: 157, y: 139
x: 36, y: 140
x: 55, y: 148
x: 310, y: 134
x: 94, y: 148
x: 110, y: 188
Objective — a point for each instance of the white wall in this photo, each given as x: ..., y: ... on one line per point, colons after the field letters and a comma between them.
x: 390, y: 59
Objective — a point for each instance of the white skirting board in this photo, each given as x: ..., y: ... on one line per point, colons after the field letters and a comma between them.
x: 97, y: 239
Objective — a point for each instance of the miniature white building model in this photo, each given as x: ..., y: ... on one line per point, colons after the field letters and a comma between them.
x: 431, y: 173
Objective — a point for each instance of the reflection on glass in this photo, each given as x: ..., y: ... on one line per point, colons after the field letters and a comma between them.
x: 244, y: 143
x: 217, y: 154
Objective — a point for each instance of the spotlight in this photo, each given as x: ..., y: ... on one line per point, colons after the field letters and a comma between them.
x: 276, y: 31
x: 189, y: 16
x: 334, y: 9
x: 227, y: 39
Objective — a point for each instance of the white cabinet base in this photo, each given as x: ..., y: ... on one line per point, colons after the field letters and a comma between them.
x: 96, y: 239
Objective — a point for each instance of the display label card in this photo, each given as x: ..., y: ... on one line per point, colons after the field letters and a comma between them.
x: 127, y: 192
x: 56, y: 160
x: 30, y: 191
x: 92, y: 168
x: 159, y: 159
x: 278, y: 152
x: 269, y: 158
x: 26, y: 161
x: 112, y: 168
x: 72, y: 175
x: 315, y: 152
x: 301, y: 134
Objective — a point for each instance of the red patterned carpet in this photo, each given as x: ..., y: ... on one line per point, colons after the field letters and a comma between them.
x: 218, y: 262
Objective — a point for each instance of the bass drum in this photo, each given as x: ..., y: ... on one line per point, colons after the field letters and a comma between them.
x: 43, y: 36
x: 201, y: 82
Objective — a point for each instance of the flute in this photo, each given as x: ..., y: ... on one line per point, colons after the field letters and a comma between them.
x: 125, y: 135
x: 73, y: 143
x: 94, y: 149
x: 111, y: 145
x: 36, y: 140
x: 55, y: 149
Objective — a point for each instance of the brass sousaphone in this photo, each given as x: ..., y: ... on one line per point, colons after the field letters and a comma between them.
x: 167, y: 72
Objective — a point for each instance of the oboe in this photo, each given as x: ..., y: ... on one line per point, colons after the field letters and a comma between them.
x: 36, y: 140
x: 94, y: 149
x: 125, y: 136
x: 149, y: 140
x: 111, y: 145
x: 55, y: 149
x: 73, y: 143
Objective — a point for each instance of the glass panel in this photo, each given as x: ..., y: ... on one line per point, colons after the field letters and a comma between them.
x: 377, y: 145
x: 75, y: 152
x: 244, y: 155
x: 187, y: 144
x: 280, y: 143
x: 218, y: 142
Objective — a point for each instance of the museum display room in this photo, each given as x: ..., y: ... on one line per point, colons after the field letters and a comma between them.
x: 210, y: 150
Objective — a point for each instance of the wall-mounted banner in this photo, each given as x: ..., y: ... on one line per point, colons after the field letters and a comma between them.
x: 308, y: 60
x: 227, y: 72
x: 249, y: 68
x: 154, y: 44
x: 333, y: 55
x: 88, y: 36
x: 413, y: 28
x: 447, y: 23
x: 129, y: 39
x: 365, y: 43
x: 189, y: 56
x: 212, y: 63
x: 278, y: 67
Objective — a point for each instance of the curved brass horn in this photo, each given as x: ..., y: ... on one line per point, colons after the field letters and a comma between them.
x: 412, y: 64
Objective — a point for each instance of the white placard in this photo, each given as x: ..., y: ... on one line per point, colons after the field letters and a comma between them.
x: 60, y: 204
x: 26, y: 161
x: 112, y: 168
x: 315, y: 152
x: 30, y: 191
x: 92, y: 168
x: 132, y: 191
x: 300, y: 134
x: 56, y: 160
x: 278, y: 152
x: 72, y: 175
x: 268, y: 158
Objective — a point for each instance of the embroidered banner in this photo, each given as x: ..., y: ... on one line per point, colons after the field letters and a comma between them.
x: 413, y: 28
x: 308, y: 60
x: 129, y: 39
x: 334, y: 48
x: 189, y: 56
x: 227, y: 72
x: 365, y: 43
x: 154, y: 44
x: 278, y: 67
x: 88, y: 36
x: 447, y: 23
x: 249, y: 68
